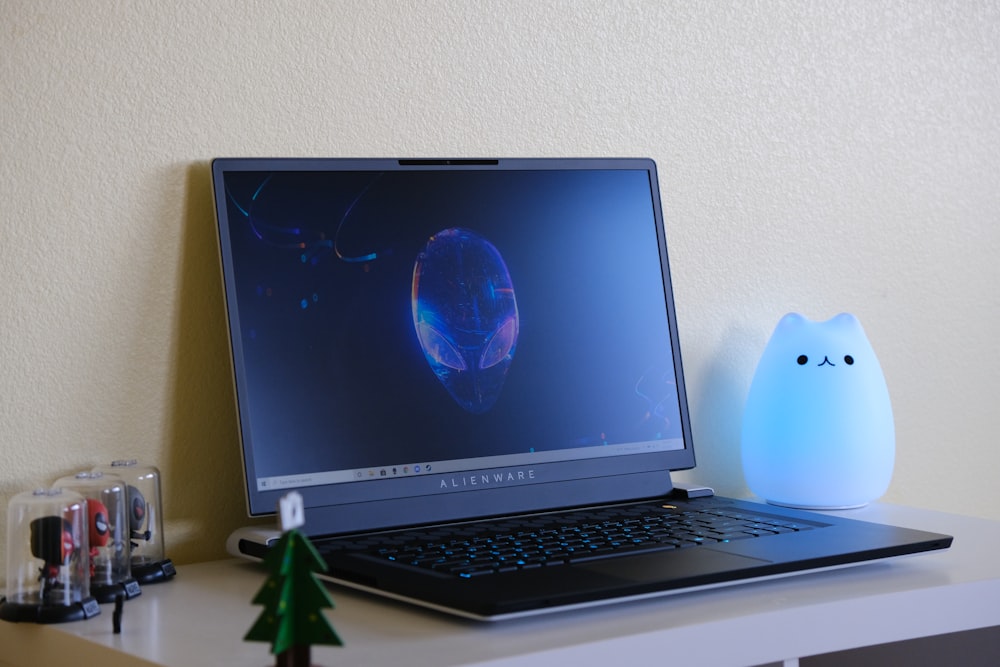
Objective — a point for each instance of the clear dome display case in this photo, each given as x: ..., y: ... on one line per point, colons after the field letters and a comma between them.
x: 150, y: 564
x: 108, y: 532
x: 48, y: 558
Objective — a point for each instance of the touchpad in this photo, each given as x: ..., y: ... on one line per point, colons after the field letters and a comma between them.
x: 701, y: 562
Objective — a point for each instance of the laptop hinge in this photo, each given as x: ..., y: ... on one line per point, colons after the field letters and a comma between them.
x: 683, y: 490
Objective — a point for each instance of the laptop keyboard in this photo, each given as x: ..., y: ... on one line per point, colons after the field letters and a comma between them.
x: 482, y: 548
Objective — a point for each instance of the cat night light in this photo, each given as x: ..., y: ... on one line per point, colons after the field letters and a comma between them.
x: 817, y: 427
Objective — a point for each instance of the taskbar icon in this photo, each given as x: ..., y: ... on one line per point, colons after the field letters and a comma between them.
x: 392, y: 471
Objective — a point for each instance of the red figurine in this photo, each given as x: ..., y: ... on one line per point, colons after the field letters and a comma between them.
x: 100, y: 529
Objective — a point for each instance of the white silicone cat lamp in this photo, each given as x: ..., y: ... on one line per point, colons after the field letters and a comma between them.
x: 817, y: 427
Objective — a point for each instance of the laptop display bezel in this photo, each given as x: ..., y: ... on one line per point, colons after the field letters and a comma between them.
x: 576, y: 483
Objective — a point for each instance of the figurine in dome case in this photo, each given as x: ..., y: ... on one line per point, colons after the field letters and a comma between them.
x: 48, y: 558
x: 108, y: 531
x: 145, y: 518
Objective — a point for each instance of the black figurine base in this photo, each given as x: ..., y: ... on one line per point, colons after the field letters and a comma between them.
x: 154, y: 573
x: 48, y: 613
x: 107, y: 593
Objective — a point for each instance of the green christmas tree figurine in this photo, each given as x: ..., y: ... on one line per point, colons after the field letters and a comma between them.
x: 293, y: 598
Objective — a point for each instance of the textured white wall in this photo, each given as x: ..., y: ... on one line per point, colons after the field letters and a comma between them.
x: 814, y: 156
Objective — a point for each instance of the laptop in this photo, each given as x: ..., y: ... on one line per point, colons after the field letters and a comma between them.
x: 470, y: 370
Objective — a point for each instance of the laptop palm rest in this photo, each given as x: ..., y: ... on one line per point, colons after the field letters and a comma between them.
x: 685, y: 564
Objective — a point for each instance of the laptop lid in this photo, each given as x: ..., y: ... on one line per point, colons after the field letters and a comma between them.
x: 417, y: 341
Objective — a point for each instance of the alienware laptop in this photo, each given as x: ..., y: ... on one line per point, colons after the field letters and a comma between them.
x: 470, y: 370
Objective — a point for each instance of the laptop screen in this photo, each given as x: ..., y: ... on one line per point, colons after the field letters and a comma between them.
x: 425, y: 340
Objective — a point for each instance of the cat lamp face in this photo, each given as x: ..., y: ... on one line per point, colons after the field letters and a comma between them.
x: 817, y: 427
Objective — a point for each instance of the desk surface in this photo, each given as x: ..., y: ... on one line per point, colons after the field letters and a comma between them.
x: 200, y: 617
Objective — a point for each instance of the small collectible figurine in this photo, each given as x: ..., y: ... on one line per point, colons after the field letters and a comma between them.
x: 100, y: 529
x: 293, y: 598
x: 52, y: 542
x: 137, y: 516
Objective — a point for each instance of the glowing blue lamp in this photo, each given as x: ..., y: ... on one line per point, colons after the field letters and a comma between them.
x: 817, y: 427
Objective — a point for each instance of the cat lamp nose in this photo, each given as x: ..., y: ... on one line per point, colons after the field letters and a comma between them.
x: 818, y: 435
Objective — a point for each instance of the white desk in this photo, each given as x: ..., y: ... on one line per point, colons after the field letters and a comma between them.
x: 201, y: 616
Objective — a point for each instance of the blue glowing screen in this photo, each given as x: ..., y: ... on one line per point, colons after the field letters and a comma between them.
x: 433, y: 315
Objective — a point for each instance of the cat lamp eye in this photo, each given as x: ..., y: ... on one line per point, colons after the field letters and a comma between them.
x: 817, y: 425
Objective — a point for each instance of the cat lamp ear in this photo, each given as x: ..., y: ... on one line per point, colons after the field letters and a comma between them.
x: 792, y: 320
x: 817, y: 426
